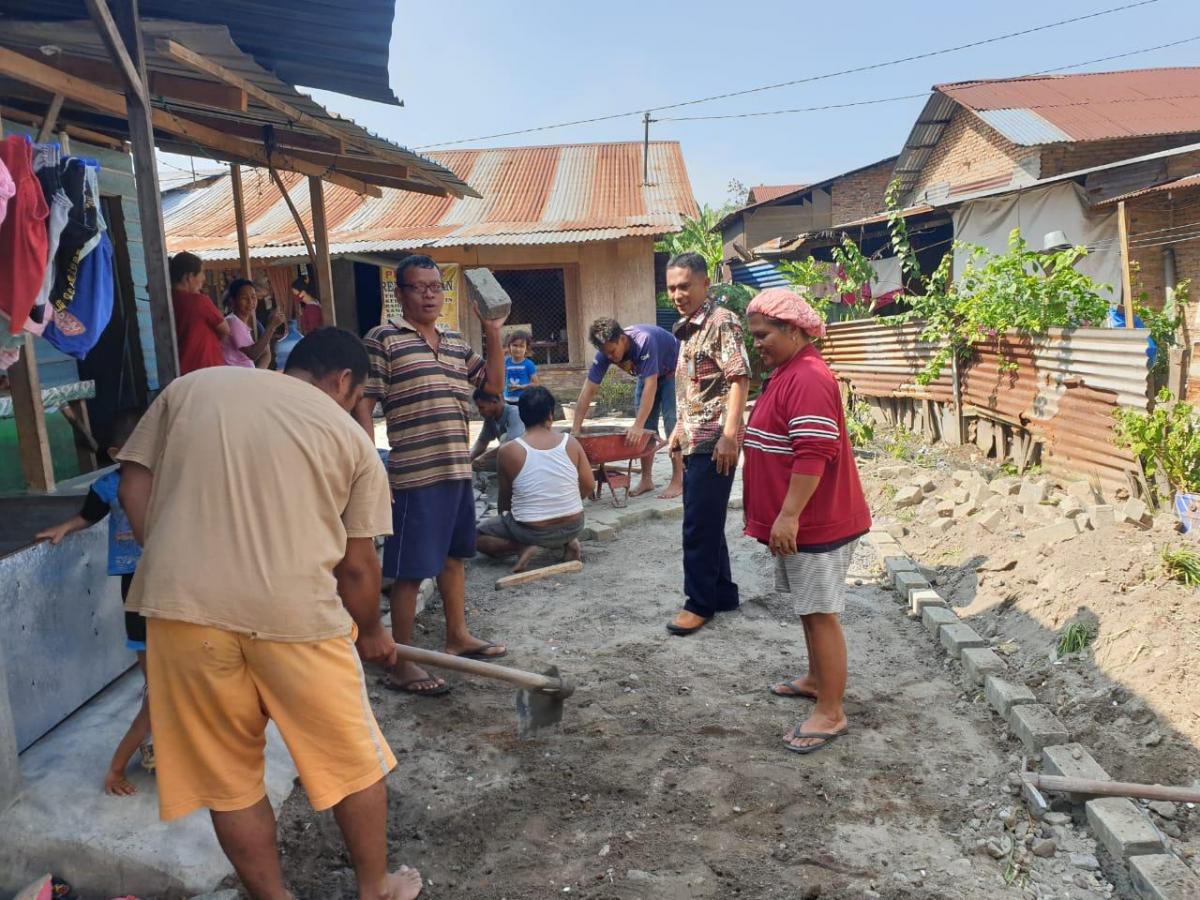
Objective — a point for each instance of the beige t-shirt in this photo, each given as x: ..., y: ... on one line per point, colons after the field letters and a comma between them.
x: 259, y: 479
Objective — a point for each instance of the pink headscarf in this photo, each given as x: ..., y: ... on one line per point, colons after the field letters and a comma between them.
x: 782, y: 304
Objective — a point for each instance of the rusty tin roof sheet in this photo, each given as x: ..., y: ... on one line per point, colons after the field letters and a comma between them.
x: 530, y: 195
x: 1188, y: 182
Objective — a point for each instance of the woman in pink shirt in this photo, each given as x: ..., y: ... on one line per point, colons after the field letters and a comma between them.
x: 244, y: 346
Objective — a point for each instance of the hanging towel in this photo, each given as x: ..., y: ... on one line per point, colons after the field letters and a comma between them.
x: 76, y: 329
x: 24, y: 244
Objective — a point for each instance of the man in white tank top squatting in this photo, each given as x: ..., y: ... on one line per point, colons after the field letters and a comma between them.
x: 544, y: 476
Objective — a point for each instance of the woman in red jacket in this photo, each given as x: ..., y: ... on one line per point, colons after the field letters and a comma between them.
x: 803, y: 500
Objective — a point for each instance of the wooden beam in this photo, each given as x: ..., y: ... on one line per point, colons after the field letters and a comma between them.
x: 50, y: 119
x: 239, y: 218
x: 324, y: 267
x: 33, y: 437
x: 133, y: 75
x: 162, y: 84
x: 86, y: 448
x: 1126, y: 279
x: 360, y: 166
x: 562, y: 568
x: 49, y: 79
x: 154, y: 237
x: 287, y: 198
x: 284, y: 137
x: 83, y: 134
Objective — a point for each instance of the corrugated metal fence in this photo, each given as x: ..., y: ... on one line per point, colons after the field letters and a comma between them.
x: 1054, y: 394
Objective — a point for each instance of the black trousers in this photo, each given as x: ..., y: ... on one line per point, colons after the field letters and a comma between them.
x: 707, y: 581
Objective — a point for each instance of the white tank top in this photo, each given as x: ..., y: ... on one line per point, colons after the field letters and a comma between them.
x: 547, y: 487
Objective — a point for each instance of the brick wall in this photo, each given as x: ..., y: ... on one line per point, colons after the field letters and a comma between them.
x: 1147, y: 217
x: 971, y: 151
x: 861, y: 194
x: 1059, y: 158
x: 564, y: 382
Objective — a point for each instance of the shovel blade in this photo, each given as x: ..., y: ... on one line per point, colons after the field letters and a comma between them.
x: 538, y: 709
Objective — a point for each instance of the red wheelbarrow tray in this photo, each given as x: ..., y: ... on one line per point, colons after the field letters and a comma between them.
x: 606, y: 444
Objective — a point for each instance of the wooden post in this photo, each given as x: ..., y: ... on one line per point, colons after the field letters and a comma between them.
x: 316, y: 194
x: 33, y: 437
x: 154, y: 239
x: 239, y: 217
x: 1126, y: 280
x: 50, y: 120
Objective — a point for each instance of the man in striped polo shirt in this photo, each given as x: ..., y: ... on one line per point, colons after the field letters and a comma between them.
x: 424, y: 375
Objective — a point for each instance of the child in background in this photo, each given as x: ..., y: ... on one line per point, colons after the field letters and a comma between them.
x: 123, y: 555
x: 519, y: 370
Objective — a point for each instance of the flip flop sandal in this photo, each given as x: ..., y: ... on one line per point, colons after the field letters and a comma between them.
x: 481, y: 653
x: 827, y: 738
x: 406, y: 687
x: 791, y: 693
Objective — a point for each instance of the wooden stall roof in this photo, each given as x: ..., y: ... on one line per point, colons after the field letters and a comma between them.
x: 210, y: 99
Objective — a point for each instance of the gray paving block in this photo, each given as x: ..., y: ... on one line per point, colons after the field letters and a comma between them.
x: 898, y: 562
x: 1122, y: 828
x: 1036, y: 726
x: 598, y: 532
x: 958, y: 637
x: 903, y: 582
x: 1072, y: 761
x: 922, y: 597
x: 979, y: 663
x: 934, y: 617
x: 1163, y: 876
x: 1004, y: 695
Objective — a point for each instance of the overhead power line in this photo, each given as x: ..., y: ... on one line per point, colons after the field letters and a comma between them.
x: 868, y: 67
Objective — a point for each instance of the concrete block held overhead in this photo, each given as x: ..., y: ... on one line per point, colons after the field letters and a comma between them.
x: 979, y: 663
x: 491, y: 300
x: 1163, y: 876
x: 1123, y: 829
x: 909, y: 495
x: 1035, y: 726
x: 957, y: 637
x: 934, y: 618
x: 920, y: 598
x: 1003, y: 695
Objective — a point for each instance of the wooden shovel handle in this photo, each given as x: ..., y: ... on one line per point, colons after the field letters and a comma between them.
x: 478, y: 667
x: 1060, y: 784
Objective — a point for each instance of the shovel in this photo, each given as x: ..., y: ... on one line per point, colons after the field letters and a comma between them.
x: 539, y: 700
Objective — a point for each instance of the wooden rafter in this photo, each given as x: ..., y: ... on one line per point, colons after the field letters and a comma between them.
x: 50, y: 119
x: 83, y: 134
x: 284, y: 137
x: 287, y: 198
x: 98, y: 10
x: 162, y: 84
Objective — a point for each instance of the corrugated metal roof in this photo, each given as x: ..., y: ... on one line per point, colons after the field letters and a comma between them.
x: 761, y: 193
x: 214, y: 43
x: 1092, y: 106
x: 531, y: 195
x: 339, y: 47
x: 759, y: 274
x: 1188, y: 181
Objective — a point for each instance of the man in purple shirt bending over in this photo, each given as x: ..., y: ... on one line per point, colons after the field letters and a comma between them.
x: 649, y: 353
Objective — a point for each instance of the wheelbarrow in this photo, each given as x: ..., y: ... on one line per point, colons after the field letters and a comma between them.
x: 607, y: 445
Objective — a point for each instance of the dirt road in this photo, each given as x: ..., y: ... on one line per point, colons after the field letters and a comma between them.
x: 668, y: 779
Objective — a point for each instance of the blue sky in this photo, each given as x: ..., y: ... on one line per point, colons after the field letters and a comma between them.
x: 474, y: 67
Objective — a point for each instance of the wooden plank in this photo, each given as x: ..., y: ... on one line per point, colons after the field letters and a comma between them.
x: 154, y: 240
x: 284, y: 137
x: 134, y: 76
x: 83, y: 134
x: 76, y: 413
x: 33, y: 437
x: 564, y: 568
x: 162, y: 84
x: 50, y: 119
x: 1126, y: 280
x: 239, y: 218
x: 316, y: 195
x: 287, y: 198
x: 357, y: 164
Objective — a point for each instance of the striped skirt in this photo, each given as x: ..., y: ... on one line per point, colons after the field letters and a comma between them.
x: 816, y: 581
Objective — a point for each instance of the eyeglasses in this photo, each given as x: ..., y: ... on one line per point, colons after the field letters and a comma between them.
x: 429, y: 290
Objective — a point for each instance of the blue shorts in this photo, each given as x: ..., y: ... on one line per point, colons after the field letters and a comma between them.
x: 664, y: 404
x: 429, y: 525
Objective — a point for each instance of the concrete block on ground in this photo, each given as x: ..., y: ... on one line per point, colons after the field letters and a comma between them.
x: 1102, y: 516
x: 920, y: 598
x: 934, y: 617
x: 1070, y: 507
x: 1003, y: 695
x: 1005, y: 486
x: 925, y: 483
x: 941, y: 526
x: 672, y: 510
x: 958, y: 496
x: 1082, y: 491
x: 1056, y: 533
x: 993, y: 521
x: 964, y: 476
x: 597, y: 532
x: 1031, y: 493
x: 979, y: 663
x: 909, y: 495
x: 957, y: 637
x: 896, y: 529
x: 965, y: 510
x: 1036, y: 726
x: 1123, y: 829
x: 1163, y: 876
x: 903, y: 582
x: 1134, y: 512
x: 897, y: 564
x: 1072, y: 761
x: 945, y: 508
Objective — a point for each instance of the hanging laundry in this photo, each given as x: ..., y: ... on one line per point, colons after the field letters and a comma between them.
x: 7, y: 188
x: 24, y: 244
x: 76, y: 329
x: 60, y: 211
x: 82, y: 229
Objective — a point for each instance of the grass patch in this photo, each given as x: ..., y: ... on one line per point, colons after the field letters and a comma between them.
x: 1074, y: 638
x: 888, y: 490
x: 1182, y: 565
x: 901, y: 444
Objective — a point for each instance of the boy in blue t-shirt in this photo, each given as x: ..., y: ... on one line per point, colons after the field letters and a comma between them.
x: 123, y: 555
x: 520, y: 372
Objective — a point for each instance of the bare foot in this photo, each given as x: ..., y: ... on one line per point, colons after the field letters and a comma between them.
x: 117, y: 785
x: 815, y: 724
x: 572, y: 551
x: 523, y: 559
x: 403, y: 884
x: 800, y: 687
x: 412, y: 679
x: 671, y: 491
x: 645, y: 486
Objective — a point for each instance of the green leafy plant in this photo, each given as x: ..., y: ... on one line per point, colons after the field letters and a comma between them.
x: 1166, y: 439
x: 1182, y: 565
x: 1164, y: 326
x: 698, y: 236
x: 823, y: 284
x: 901, y: 443
x: 859, y: 424
x: 614, y: 395
x: 1074, y: 638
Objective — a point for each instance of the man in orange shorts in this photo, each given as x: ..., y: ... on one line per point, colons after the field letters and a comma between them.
x: 257, y: 500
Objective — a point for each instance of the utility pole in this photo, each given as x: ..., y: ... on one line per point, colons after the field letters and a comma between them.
x: 646, y: 120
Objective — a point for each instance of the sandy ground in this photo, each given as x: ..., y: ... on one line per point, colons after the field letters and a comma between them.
x: 667, y: 778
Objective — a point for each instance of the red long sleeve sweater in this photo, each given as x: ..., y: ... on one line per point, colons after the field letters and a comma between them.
x: 798, y: 426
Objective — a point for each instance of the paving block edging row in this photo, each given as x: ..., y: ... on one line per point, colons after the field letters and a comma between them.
x: 1126, y: 832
